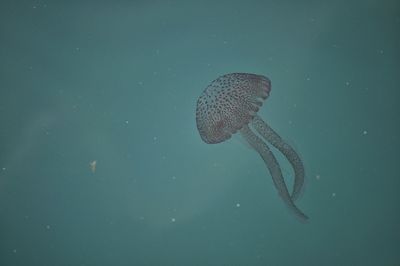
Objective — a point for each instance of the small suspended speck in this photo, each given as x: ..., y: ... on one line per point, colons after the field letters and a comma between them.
x: 317, y: 177
x: 173, y: 177
x: 347, y: 83
x: 333, y: 194
x: 308, y: 78
x: 48, y: 227
x: 173, y: 220
x: 126, y: 122
x: 155, y: 138
x: 3, y: 168
x: 365, y: 132
x: 140, y: 83
x: 237, y: 205
x: 14, y: 251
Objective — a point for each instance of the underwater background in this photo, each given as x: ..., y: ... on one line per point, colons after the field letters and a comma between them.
x: 101, y: 162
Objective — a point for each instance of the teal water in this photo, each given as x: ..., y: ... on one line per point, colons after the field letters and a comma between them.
x: 117, y: 83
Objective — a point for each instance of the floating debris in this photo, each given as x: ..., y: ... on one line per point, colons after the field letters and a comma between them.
x: 92, y: 165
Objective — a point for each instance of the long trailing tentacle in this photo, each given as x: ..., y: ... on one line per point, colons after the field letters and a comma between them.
x: 272, y: 164
x: 272, y: 137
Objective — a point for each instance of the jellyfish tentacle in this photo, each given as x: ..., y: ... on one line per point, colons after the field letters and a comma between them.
x: 294, y: 159
x: 272, y: 164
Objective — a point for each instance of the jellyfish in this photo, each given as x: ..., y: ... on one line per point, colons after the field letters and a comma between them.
x: 229, y: 105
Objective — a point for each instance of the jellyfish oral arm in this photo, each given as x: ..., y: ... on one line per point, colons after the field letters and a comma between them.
x: 294, y: 159
x: 272, y: 164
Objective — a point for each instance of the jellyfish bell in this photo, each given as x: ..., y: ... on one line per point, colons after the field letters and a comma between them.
x: 228, y: 105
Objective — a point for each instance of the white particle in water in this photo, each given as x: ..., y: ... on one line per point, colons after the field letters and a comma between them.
x: 237, y: 205
x: 173, y: 220
x: 365, y: 132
